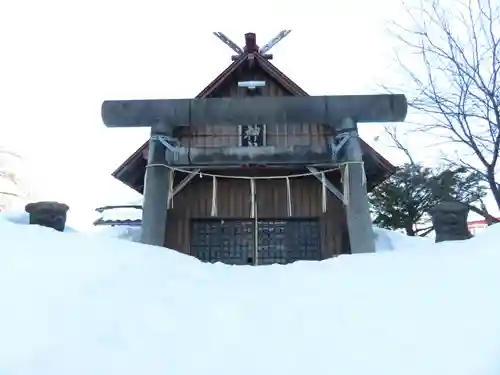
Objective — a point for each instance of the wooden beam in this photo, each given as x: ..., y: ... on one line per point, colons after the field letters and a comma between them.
x: 166, y: 114
x: 186, y: 180
x: 269, y: 155
x: 328, y: 184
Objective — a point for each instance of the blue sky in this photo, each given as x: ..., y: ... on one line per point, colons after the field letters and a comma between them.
x: 61, y: 59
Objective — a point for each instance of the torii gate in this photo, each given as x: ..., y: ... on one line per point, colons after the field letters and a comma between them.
x: 341, y: 112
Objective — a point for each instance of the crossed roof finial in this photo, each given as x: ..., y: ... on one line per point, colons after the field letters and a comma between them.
x: 251, y: 43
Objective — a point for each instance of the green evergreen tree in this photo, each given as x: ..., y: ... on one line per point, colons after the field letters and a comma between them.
x: 402, y: 201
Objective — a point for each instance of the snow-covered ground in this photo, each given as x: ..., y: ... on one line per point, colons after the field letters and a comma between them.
x: 125, y: 232
x: 23, y: 218
x: 386, y: 240
x: 74, y: 303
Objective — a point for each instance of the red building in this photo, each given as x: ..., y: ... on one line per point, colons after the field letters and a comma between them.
x: 477, y: 226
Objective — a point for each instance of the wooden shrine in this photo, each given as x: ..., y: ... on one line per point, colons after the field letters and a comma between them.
x: 253, y: 170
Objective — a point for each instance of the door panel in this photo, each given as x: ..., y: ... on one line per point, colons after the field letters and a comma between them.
x: 226, y: 241
x: 279, y: 241
x: 272, y: 242
x: 286, y: 241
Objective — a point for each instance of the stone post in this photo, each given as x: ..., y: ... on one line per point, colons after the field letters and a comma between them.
x: 48, y: 214
x: 157, y: 179
x: 449, y: 219
x: 359, y: 222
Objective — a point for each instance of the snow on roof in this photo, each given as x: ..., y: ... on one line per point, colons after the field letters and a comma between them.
x: 122, y: 214
x: 82, y: 304
x: 129, y: 215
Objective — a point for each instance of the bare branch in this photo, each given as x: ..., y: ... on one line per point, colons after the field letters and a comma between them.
x: 392, y: 133
x: 426, y: 232
x: 484, y: 214
x: 10, y: 194
x: 456, y: 85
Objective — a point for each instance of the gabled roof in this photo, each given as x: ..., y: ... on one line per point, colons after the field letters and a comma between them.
x: 136, y: 159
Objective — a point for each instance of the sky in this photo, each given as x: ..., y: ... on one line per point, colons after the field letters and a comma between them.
x: 61, y: 59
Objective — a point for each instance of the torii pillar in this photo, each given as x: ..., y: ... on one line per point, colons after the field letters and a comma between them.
x: 359, y: 222
x: 341, y: 112
x: 156, y: 194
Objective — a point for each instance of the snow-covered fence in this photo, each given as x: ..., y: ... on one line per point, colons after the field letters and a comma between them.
x: 121, y: 221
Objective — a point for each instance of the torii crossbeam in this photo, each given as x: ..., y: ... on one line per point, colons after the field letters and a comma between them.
x: 341, y: 112
x: 254, y: 110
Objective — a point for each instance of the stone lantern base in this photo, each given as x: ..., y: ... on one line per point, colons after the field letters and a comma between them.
x: 450, y: 221
x: 48, y: 214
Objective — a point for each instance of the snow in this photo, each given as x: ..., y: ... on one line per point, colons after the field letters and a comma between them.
x: 125, y: 232
x: 22, y: 217
x: 76, y: 303
x: 386, y: 240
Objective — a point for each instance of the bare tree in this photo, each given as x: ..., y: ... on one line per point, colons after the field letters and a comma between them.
x: 457, y: 85
x: 392, y: 132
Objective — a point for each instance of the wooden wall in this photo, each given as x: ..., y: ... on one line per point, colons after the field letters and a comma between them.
x: 233, y: 201
x: 313, y: 136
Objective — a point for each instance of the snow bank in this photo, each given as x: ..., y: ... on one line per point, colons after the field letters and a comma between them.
x: 81, y: 304
x: 126, y: 232
x: 22, y: 217
x: 122, y: 232
x: 16, y: 217
x: 387, y: 240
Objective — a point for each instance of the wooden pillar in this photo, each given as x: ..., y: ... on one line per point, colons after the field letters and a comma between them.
x: 156, y: 190
x: 361, y: 236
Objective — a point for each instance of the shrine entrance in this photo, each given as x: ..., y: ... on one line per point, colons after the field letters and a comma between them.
x: 256, y: 242
x: 252, y: 117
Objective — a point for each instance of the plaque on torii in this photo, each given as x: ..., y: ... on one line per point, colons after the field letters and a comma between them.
x: 341, y: 112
